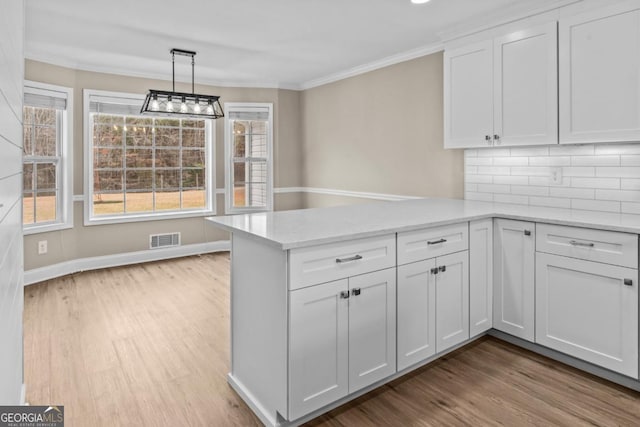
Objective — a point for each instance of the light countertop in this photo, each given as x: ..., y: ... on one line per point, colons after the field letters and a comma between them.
x: 309, y: 227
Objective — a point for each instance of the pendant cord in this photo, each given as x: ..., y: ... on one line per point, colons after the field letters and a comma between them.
x: 193, y: 76
x: 173, y: 70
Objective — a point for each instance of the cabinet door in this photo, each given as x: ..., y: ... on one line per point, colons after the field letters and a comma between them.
x: 526, y: 87
x: 452, y: 300
x: 514, y: 290
x: 416, y: 312
x: 468, y: 96
x: 372, y: 328
x: 588, y: 310
x: 480, y: 276
x: 318, y: 347
x: 599, y: 54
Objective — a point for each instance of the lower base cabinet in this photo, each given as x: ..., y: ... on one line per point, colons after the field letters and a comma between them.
x: 588, y: 310
x: 342, y: 338
x: 433, y: 307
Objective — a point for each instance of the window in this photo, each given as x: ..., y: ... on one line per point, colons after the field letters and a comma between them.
x: 47, y: 163
x: 143, y: 167
x: 248, y: 148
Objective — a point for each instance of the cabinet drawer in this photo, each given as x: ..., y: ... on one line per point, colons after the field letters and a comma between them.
x: 609, y: 247
x: 432, y: 242
x: 324, y: 263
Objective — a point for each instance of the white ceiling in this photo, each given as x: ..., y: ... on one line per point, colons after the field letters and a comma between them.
x: 267, y: 43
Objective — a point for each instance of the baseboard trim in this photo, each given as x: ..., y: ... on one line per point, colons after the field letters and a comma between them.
x: 93, y: 263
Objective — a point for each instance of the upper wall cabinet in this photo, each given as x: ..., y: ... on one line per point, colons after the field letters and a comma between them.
x: 503, y: 91
x: 599, y: 76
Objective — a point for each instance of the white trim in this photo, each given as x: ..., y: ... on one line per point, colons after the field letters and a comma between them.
x: 93, y: 263
x: 78, y: 197
x: 23, y: 395
x: 359, y: 194
x: 374, y: 65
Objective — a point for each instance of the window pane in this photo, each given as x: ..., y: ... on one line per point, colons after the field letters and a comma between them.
x: 259, y: 127
x: 107, y: 135
x: 45, y: 141
x: 193, y: 178
x: 192, y: 199
x: 193, y: 123
x: 108, y: 119
x: 193, y: 138
x: 238, y: 184
x: 27, y: 177
x: 45, y: 206
x: 238, y: 173
x: 239, y: 195
x: 139, y: 136
x: 139, y: 158
x: 193, y: 158
x: 27, y: 115
x: 139, y: 180
x: 258, y: 172
x: 258, y: 146
x: 240, y: 127
x: 167, y: 158
x: 140, y: 202
x: 107, y: 158
x: 168, y: 137
x: 27, y: 208
x: 168, y: 122
x: 107, y: 181
x: 168, y: 179
x: 238, y: 145
x: 108, y: 204
x: 138, y: 121
x: 44, y: 116
x: 256, y: 195
x: 46, y: 176
x: 27, y: 140
x: 168, y: 200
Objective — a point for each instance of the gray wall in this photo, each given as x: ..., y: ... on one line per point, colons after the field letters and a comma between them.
x: 380, y: 132
x: 11, y: 268
x: 97, y: 240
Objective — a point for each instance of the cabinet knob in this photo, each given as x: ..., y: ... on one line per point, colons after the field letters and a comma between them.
x: 434, y: 270
x: 527, y: 232
x: 628, y: 282
x: 344, y: 294
x: 442, y: 268
x: 355, y: 292
x: 488, y: 139
x: 496, y: 138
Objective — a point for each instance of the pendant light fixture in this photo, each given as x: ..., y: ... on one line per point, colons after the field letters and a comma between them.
x: 164, y: 103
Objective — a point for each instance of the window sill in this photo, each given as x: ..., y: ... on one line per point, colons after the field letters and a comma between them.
x: 237, y: 211
x: 118, y: 219
x: 45, y: 228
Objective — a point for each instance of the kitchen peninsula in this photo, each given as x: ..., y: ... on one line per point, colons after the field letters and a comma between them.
x: 327, y: 304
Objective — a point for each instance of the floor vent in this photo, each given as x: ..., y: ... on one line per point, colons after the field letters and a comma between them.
x: 157, y: 241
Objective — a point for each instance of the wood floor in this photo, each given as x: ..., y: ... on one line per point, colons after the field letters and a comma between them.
x: 148, y: 345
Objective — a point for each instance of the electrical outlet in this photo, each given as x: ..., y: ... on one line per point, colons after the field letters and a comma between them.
x: 42, y: 247
x: 555, y: 176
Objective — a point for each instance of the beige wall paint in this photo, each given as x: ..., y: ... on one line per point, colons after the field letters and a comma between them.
x: 380, y: 132
x: 88, y: 241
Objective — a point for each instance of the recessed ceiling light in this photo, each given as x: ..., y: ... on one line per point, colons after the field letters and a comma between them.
x: 419, y: 1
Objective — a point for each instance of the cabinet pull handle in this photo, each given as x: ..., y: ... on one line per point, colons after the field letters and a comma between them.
x: 575, y: 243
x: 434, y: 270
x: 435, y: 242
x: 344, y: 294
x: 527, y: 232
x: 348, y: 259
x: 488, y: 139
x: 628, y: 282
x: 355, y: 292
x: 442, y: 268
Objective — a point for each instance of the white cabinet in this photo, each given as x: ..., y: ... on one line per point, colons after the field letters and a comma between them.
x: 480, y: 276
x: 433, y: 307
x: 588, y: 310
x: 599, y: 75
x: 342, y: 338
x: 514, y: 280
x: 503, y: 91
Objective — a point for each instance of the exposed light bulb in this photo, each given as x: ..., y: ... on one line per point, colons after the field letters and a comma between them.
x: 125, y: 128
x: 210, y: 108
x: 183, y: 106
x: 196, y: 107
x: 169, y: 104
x: 155, y: 106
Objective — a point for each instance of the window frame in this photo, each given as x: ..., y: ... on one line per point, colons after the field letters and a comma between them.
x: 64, y: 176
x: 90, y: 219
x: 229, y: 159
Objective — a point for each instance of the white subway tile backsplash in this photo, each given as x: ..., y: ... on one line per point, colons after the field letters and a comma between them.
x: 596, y: 182
x: 494, y: 170
x: 553, y: 202
x: 595, y: 205
x: 595, y: 161
x: 511, y: 161
x: 620, y: 195
x: 600, y: 177
x: 511, y: 179
x: 571, y: 150
x: 630, y: 160
x: 510, y: 198
x: 572, y: 193
x: 529, y: 190
x: 550, y: 161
